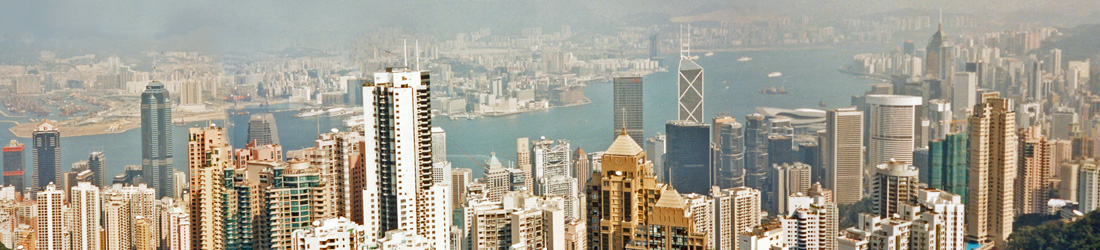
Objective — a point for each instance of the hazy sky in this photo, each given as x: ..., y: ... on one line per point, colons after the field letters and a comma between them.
x: 238, y: 26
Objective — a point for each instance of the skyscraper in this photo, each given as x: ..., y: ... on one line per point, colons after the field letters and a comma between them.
x: 460, y: 177
x: 626, y: 203
x: 947, y: 162
x: 13, y: 165
x: 296, y: 200
x: 439, y: 145
x: 262, y: 129
x: 894, y: 185
x: 655, y: 148
x: 628, y: 107
x: 156, y: 138
x: 211, y: 155
x: 729, y: 163
x: 523, y: 161
x: 785, y: 180
x: 843, y: 154
x: 736, y: 210
x: 399, y: 193
x: 892, y: 128
x: 550, y: 159
x: 582, y: 167
x: 756, y: 151
x: 991, y: 177
x: 47, y: 154
x: 690, y: 85
x: 933, y: 57
x: 96, y: 163
x: 1033, y: 182
x: 85, y: 203
x: 964, y: 94
x: 687, y: 161
x: 51, y: 219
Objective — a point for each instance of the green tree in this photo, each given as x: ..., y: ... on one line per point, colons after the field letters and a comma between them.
x: 849, y: 213
x: 1081, y: 234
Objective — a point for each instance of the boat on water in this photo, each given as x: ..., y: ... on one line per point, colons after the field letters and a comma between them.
x: 337, y: 112
x: 773, y: 91
x: 822, y: 104
x: 353, y: 121
x: 775, y: 74
x: 744, y: 59
x: 709, y: 54
x: 309, y: 113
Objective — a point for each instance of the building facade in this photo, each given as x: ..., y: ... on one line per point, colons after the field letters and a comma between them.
x: 156, y: 138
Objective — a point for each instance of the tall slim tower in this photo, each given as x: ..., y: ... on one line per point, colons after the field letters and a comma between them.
x: 1035, y: 171
x: 399, y: 193
x: 628, y: 107
x: 892, y: 128
x: 933, y: 55
x: 85, y: 203
x: 212, y: 156
x: 50, y: 217
x: 262, y: 129
x: 992, y: 174
x: 729, y: 163
x: 523, y: 161
x: 756, y: 151
x: 156, y: 138
x: 895, y: 184
x: 96, y: 162
x: 843, y: 154
x: 47, y: 155
x: 13, y: 165
x: 736, y: 210
x: 690, y: 85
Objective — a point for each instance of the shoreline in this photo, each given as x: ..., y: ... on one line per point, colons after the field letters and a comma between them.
x: 108, y: 127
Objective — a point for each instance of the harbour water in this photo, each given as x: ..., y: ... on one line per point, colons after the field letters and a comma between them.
x: 731, y: 86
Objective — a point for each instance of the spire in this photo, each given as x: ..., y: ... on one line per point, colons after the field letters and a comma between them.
x: 624, y: 123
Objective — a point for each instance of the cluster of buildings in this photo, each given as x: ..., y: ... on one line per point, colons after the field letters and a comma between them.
x: 964, y: 138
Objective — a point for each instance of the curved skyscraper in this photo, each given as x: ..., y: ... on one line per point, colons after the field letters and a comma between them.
x: 156, y: 138
x: 892, y: 128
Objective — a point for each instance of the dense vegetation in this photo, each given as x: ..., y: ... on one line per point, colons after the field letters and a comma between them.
x: 849, y: 213
x: 1081, y: 234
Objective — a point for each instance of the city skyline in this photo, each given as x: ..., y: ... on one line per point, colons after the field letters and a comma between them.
x: 821, y: 130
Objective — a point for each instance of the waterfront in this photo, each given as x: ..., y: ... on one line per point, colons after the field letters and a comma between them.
x: 810, y: 77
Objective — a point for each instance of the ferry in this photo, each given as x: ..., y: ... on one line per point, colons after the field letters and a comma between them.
x: 309, y: 113
x: 336, y: 112
x: 744, y: 59
x: 775, y: 74
x: 709, y: 54
x: 354, y: 121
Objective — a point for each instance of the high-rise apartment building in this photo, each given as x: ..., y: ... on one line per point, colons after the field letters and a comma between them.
x: 687, y: 161
x: 178, y: 229
x: 628, y: 107
x: 1087, y: 186
x: 1033, y: 181
x: 843, y: 154
x: 208, y: 156
x: 13, y: 165
x: 50, y: 219
x: 729, y: 158
x: 262, y: 129
x: 736, y: 210
x: 811, y: 224
x: 86, y: 205
x: 117, y: 221
x: 156, y: 138
x: 991, y: 177
x: 892, y: 128
x: 947, y: 162
x: 756, y: 151
x: 876, y: 233
x: 296, y: 200
x: 894, y: 185
x: 47, y: 154
x: 937, y: 220
x: 625, y: 196
x: 399, y: 193
x: 518, y: 220
x: 439, y: 144
x: 940, y: 119
x: 335, y: 233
